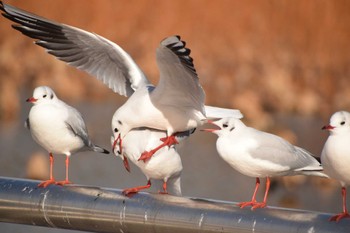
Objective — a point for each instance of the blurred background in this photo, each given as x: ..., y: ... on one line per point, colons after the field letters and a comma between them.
x: 284, y: 64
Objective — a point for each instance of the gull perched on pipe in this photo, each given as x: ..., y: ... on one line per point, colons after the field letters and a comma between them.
x: 335, y: 155
x: 259, y: 154
x: 58, y: 128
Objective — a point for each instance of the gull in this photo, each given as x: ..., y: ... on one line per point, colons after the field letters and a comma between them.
x: 164, y: 165
x: 58, y: 128
x: 259, y: 154
x: 335, y: 155
x: 176, y: 104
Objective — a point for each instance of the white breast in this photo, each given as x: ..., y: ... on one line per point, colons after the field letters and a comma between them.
x: 336, y: 158
x: 48, y: 129
x: 164, y: 164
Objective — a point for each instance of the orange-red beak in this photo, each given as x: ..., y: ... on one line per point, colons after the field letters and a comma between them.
x: 31, y: 100
x: 210, y: 130
x: 328, y: 127
x: 120, y: 144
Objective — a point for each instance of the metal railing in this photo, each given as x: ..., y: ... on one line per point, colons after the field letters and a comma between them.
x: 107, y: 210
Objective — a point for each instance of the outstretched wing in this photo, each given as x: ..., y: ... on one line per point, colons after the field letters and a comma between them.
x: 86, y: 51
x: 178, y: 84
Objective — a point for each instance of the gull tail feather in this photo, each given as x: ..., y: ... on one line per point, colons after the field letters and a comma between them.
x: 174, y: 184
x: 99, y: 149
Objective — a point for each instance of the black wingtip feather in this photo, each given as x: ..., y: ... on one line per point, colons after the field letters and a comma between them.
x: 179, y: 48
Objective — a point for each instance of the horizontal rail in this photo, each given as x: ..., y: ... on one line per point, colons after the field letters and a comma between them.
x: 98, y: 209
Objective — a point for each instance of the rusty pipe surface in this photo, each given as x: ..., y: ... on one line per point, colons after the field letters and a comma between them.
x: 98, y: 209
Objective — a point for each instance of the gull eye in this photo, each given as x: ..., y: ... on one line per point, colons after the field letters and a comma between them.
x: 44, y: 96
x: 342, y: 123
x: 116, y: 130
x: 225, y: 125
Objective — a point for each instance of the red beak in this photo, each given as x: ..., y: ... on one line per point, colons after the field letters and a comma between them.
x: 328, y: 127
x: 31, y: 100
x: 210, y: 130
x: 120, y: 144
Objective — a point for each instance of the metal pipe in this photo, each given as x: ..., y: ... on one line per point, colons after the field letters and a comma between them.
x: 98, y: 209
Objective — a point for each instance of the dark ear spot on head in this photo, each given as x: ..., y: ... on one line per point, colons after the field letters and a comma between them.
x: 51, y: 96
x: 232, y: 128
x: 120, y: 123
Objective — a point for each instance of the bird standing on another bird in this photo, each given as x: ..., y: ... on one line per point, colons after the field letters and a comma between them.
x: 58, y: 128
x: 176, y: 104
x: 258, y: 154
x: 335, y: 155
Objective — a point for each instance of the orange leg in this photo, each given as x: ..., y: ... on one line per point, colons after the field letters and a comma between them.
x: 66, y: 181
x: 131, y: 191
x: 345, y: 213
x: 165, y: 191
x: 167, y: 141
x: 263, y: 204
x: 46, y: 183
x: 253, y: 201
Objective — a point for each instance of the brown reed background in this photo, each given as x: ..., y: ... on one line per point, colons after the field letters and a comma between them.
x: 263, y: 57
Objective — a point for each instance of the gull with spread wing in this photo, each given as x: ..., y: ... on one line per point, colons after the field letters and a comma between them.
x: 176, y: 104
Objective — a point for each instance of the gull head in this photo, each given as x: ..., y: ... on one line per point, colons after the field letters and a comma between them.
x: 118, y: 152
x: 227, y: 126
x: 42, y: 94
x: 119, y: 128
x: 339, y: 122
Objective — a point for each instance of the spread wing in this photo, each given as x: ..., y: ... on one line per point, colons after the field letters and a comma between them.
x: 86, y: 51
x: 178, y: 84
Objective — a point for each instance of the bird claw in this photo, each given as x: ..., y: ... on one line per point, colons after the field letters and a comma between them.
x: 64, y: 182
x: 259, y: 205
x: 168, y: 141
x: 340, y: 216
x: 146, y: 155
x: 130, y: 192
x: 254, y: 204
x: 245, y: 204
x: 46, y: 183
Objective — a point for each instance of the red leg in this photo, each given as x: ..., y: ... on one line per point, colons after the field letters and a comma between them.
x: 263, y: 204
x: 167, y: 141
x: 345, y: 213
x: 66, y: 181
x: 130, y: 191
x: 253, y: 201
x: 51, y: 180
x: 165, y: 191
